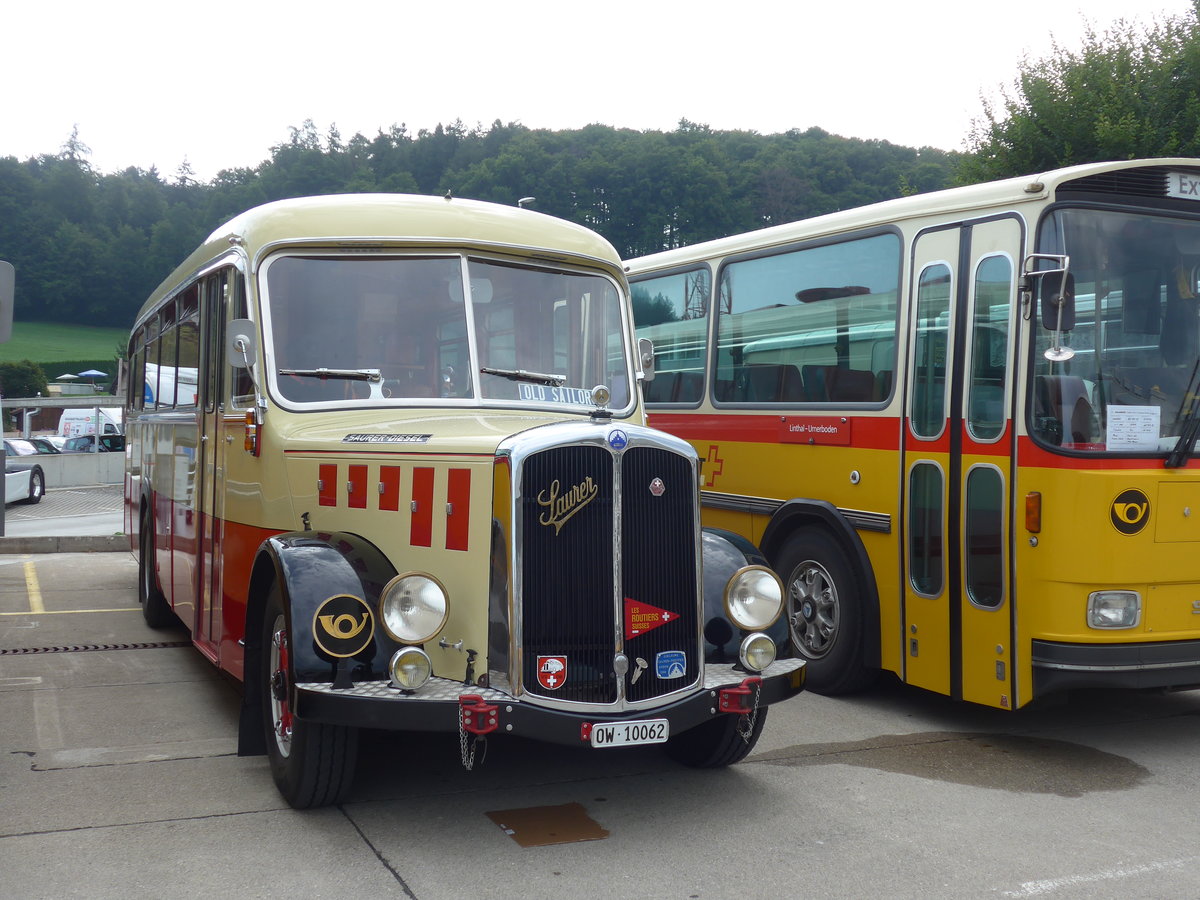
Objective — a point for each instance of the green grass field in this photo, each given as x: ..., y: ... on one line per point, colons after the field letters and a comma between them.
x: 49, y: 342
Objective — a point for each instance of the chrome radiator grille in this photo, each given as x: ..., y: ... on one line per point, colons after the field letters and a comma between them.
x: 608, y: 565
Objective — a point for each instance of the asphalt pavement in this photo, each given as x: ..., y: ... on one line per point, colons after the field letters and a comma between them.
x: 85, y: 518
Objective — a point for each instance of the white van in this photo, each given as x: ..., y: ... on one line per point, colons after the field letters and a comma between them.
x: 84, y: 421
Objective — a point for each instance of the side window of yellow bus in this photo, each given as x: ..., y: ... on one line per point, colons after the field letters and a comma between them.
x: 813, y: 325
x: 672, y: 311
x: 989, y: 347
x: 929, y: 357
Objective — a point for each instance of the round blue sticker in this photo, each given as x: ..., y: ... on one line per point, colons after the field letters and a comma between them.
x: 617, y: 439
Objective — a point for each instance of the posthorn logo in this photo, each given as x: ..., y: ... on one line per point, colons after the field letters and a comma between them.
x: 1130, y: 511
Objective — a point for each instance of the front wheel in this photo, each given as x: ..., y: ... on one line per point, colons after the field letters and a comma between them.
x: 826, y: 617
x: 312, y: 764
x: 721, y: 741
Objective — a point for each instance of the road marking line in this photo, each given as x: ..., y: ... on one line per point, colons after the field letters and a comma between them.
x: 33, y: 588
x: 1052, y: 885
x: 70, y: 612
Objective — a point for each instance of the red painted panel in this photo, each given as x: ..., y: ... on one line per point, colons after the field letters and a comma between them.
x: 389, y: 478
x: 422, y: 513
x: 458, y: 518
x: 356, y: 487
x: 328, y: 484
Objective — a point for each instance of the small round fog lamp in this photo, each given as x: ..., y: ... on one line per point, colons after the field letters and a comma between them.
x: 410, y: 668
x: 756, y: 652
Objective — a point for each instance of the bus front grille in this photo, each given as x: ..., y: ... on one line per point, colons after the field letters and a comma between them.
x: 606, y: 538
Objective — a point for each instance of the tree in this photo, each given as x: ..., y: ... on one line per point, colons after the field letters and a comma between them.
x: 1124, y: 94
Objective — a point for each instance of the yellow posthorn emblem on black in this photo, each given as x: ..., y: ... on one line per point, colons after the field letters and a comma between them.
x: 1130, y: 511
x: 343, y: 626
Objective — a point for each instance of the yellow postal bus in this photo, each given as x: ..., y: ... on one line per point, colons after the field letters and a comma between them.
x: 406, y: 483
x: 961, y: 425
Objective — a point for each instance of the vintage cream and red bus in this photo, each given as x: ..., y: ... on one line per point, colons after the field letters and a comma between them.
x: 410, y: 486
x: 965, y: 474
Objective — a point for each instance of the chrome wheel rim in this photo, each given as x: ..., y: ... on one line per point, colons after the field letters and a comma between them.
x: 813, y: 609
x: 277, y: 689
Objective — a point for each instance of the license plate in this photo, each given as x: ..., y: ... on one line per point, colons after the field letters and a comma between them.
x: 628, y: 734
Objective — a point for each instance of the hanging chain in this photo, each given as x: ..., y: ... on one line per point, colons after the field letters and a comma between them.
x: 467, y: 745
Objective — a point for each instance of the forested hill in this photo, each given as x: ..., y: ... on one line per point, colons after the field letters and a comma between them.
x: 90, y: 246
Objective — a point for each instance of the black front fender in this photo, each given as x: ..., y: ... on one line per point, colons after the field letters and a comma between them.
x: 312, y: 567
x: 724, y: 554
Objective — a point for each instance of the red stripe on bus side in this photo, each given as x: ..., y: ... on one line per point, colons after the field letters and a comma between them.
x: 356, y: 487
x: 458, y: 514
x: 422, y: 514
x: 867, y: 432
x: 327, y: 473
x: 389, y: 480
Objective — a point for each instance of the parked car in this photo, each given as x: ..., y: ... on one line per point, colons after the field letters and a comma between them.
x: 19, y: 447
x: 22, y: 483
x: 84, y: 443
x: 46, y: 445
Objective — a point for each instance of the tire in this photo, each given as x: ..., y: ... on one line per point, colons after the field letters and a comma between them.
x: 37, y: 486
x: 716, y: 743
x: 312, y: 764
x: 826, y: 618
x: 155, y: 609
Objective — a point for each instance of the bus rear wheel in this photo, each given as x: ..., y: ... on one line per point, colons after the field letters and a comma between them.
x: 825, y: 614
x: 312, y: 764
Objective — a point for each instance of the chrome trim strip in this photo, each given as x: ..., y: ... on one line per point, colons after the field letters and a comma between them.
x: 1145, y: 667
x: 861, y: 519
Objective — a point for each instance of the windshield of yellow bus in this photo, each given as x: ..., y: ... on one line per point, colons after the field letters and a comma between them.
x: 367, y: 329
x: 1134, y: 344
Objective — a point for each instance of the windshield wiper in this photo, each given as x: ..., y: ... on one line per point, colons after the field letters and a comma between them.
x: 522, y: 375
x: 1189, y: 424
x: 371, y: 375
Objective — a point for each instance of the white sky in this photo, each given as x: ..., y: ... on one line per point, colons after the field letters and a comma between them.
x: 155, y: 82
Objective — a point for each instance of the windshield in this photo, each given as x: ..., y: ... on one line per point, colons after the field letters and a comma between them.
x: 369, y: 329
x: 1135, y: 337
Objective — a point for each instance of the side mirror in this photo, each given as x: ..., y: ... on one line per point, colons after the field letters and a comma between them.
x: 1056, y: 292
x: 241, y: 346
x: 646, y: 358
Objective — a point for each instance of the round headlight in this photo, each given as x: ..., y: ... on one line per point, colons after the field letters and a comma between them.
x: 754, y: 598
x: 410, y: 668
x: 413, y: 607
x: 757, y: 652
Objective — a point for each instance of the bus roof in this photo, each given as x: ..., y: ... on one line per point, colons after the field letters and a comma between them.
x: 394, y: 220
x: 987, y: 196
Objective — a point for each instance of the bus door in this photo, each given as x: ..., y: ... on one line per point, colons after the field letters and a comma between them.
x: 211, y: 462
x: 959, y: 441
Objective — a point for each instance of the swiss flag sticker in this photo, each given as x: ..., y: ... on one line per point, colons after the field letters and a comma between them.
x: 642, y: 617
x: 551, y: 672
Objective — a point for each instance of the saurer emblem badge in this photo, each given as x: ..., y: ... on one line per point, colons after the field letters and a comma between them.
x: 560, y: 505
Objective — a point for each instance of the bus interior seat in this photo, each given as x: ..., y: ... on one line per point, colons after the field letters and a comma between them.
x: 766, y: 383
x: 662, y: 389
x: 690, y: 388
x: 883, y: 384
x: 813, y: 378
x: 850, y: 385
